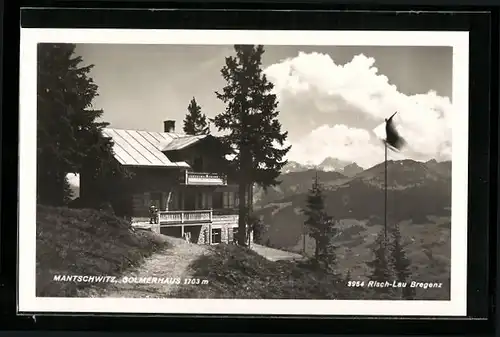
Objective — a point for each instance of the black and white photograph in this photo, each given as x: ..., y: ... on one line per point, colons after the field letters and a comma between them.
x: 253, y: 172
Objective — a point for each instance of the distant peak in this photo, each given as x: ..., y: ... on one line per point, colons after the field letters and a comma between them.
x: 333, y: 164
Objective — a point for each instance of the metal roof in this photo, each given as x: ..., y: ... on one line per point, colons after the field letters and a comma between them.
x: 144, y: 148
x: 181, y: 142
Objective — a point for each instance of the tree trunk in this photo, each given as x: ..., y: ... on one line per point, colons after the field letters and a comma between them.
x: 249, y: 204
x: 316, y: 249
x: 242, y: 231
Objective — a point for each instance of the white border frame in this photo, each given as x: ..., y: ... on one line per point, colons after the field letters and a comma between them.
x: 28, y: 302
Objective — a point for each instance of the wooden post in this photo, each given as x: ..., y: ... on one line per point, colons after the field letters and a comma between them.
x: 182, y: 216
x: 210, y: 228
x: 182, y: 231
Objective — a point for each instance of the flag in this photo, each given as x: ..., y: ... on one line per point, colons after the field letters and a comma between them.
x: 390, y: 135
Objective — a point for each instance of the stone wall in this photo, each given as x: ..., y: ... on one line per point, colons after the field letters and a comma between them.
x: 200, y: 233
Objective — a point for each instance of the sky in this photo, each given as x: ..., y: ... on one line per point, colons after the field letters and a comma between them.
x: 330, y: 97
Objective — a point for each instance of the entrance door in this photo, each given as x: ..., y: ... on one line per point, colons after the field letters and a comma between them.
x: 216, y: 235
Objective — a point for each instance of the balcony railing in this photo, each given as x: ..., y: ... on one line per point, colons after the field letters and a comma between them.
x: 202, y: 178
x: 229, y: 218
x: 167, y: 218
x: 184, y: 217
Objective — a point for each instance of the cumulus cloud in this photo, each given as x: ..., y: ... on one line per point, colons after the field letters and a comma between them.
x: 340, y: 141
x: 357, y: 89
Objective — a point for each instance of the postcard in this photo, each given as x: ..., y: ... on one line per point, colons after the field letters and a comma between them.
x: 243, y: 172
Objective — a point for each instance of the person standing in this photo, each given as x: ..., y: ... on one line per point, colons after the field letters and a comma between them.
x: 153, y: 212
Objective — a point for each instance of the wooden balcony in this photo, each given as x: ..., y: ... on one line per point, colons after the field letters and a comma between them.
x: 173, y: 218
x: 233, y: 218
x: 184, y: 217
x: 203, y: 178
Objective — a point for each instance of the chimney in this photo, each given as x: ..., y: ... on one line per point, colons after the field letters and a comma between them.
x: 169, y: 126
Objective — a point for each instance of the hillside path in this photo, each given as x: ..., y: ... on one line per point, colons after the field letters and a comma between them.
x: 275, y: 254
x: 171, y: 262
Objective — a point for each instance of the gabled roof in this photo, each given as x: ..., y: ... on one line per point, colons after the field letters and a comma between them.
x: 181, y: 142
x: 144, y: 148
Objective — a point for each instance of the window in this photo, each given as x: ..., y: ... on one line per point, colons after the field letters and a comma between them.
x: 200, y: 200
x: 217, y: 200
x: 209, y: 200
x: 216, y: 235
x: 228, y: 200
x: 237, y: 199
x: 175, y: 198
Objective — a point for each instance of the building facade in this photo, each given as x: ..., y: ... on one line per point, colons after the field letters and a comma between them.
x: 183, y: 176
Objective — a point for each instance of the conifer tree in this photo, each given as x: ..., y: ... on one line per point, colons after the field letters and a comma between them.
x: 69, y: 136
x: 348, y: 276
x: 327, y: 256
x: 380, y: 265
x: 67, y: 192
x: 195, y: 123
x: 399, y: 261
x: 253, y: 129
x: 321, y: 227
x: 315, y: 213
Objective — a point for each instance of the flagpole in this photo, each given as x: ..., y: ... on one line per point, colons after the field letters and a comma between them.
x: 385, y: 193
x: 304, y: 239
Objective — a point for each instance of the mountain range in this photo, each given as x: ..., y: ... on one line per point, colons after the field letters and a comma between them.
x: 329, y: 164
x: 401, y: 175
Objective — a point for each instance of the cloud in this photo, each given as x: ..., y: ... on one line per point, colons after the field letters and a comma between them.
x: 349, y: 101
x: 340, y: 141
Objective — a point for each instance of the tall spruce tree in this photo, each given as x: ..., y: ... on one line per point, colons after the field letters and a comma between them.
x: 380, y: 265
x: 399, y: 261
x: 321, y: 226
x: 69, y: 136
x: 327, y: 259
x: 254, y: 131
x: 195, y: 123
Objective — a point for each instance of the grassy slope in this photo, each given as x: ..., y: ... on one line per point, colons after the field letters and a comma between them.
x: 85, y: 242
x: 237, y: 272
x: 427, y: 246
